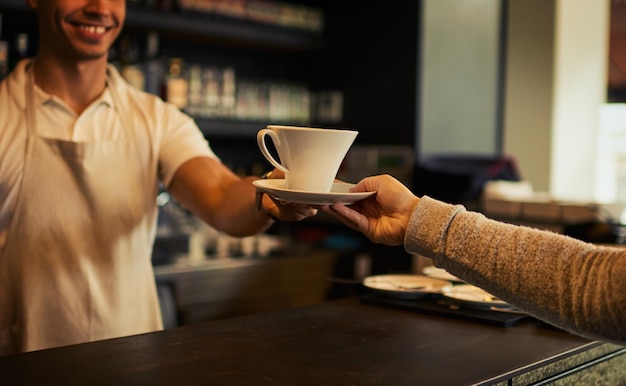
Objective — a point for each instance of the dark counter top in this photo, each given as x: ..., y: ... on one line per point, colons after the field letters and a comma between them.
x: 344, y: 342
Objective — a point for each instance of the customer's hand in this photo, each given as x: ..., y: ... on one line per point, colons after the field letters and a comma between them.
x: 383, y: 217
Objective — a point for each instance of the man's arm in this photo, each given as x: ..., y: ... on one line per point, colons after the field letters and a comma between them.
x: 227, y: 202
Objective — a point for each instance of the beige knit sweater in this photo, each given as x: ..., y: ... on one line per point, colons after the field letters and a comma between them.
x: 573, y: 285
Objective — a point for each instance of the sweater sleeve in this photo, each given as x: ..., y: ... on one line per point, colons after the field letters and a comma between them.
x: 573, y: 285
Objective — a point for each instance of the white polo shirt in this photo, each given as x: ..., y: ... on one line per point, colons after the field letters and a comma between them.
x: 175, y: 136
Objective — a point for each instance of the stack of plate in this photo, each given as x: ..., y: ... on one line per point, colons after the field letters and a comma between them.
x: 439, y: 273
x: 470, y: 296
x: 438, y: 283
x: 406, y: 286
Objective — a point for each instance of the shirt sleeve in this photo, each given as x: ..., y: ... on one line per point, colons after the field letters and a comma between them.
x: 176, y: 137
x: 571, y: 284
x: 182, y: 140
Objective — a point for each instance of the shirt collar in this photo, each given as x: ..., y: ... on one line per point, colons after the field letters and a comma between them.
x: 17, y: 81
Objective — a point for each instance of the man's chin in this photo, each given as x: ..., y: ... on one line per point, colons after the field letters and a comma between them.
x: 86, y: 56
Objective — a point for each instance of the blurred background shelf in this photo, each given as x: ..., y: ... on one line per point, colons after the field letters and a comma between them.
x: 214, y: 29
x: 229, y: 128
x: 222, y: 30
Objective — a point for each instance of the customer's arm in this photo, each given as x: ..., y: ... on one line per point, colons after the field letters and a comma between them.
x: 571, y: 284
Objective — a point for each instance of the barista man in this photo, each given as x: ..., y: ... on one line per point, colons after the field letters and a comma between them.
x: 81, y: 156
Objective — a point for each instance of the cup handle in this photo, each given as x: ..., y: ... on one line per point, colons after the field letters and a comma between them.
x: 260, y: 138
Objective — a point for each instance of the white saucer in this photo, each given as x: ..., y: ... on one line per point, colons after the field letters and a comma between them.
x: 474, y: 297
x: 439, y: 273
x: 406, y: 286
x: 339, y: 193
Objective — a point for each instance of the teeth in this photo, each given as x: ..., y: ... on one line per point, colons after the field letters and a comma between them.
x: 93, y: 29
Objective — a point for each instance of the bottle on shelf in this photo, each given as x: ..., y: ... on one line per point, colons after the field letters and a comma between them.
x: 176, y: 84
x: 153, y: 65
x: 195, y: 90
x: 229, y: 93
x: 210, y: 92
x: 129, y: 68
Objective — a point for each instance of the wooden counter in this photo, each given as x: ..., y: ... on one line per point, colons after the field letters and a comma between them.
x: 227, y: 287
x: 344, y: 342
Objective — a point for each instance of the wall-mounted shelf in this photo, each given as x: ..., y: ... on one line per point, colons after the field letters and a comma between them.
x: 218, y: 29
x: 235, y: 128
x: 203, y: 28
x: 229, y: 128
x: 376, y: 68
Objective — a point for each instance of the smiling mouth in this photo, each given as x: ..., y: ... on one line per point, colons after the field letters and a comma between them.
x: 92, y: 29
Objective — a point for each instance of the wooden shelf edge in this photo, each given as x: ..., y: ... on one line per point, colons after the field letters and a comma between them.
x: 222, y: 29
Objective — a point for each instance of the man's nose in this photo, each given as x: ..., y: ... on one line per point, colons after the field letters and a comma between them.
x: 99, y: 6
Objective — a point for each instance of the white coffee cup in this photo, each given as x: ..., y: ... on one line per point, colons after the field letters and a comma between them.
x: 309, y: 157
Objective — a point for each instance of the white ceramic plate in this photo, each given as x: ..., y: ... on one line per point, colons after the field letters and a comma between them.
x: 439, y: 273
x: 474, y: 297
x: 339, y: 193
x: 406, y: 286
